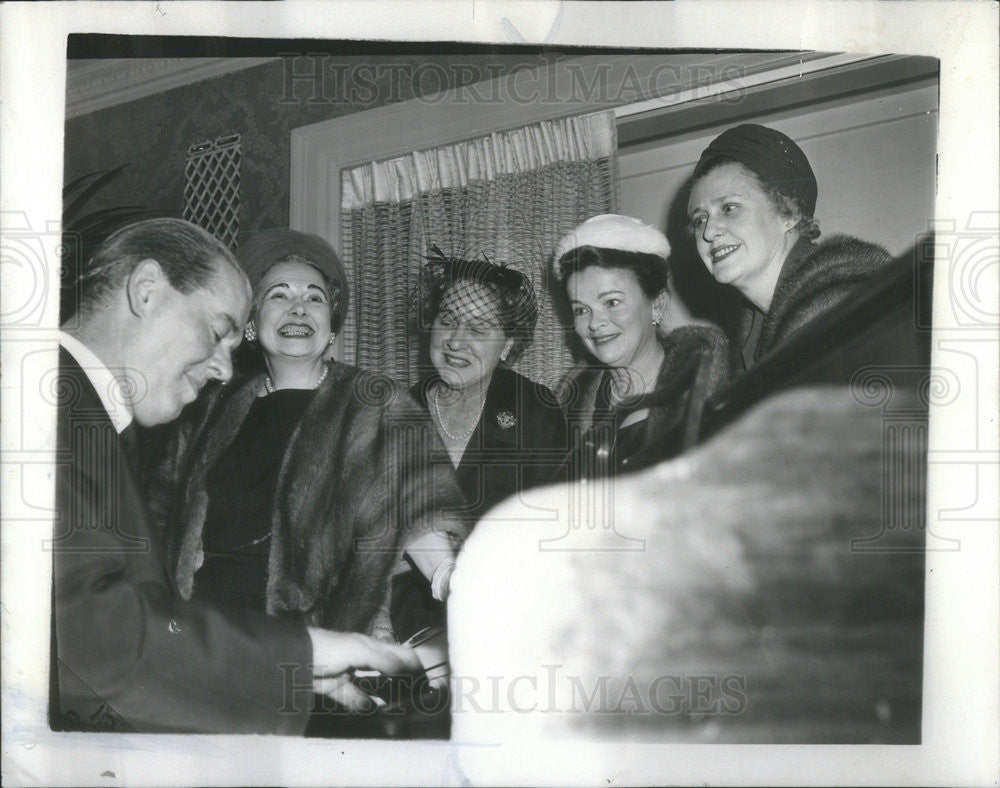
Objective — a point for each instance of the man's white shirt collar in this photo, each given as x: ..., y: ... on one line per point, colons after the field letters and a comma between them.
x: 108, y: 387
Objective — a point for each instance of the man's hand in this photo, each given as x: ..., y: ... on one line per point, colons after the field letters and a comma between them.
x: 335, y: 654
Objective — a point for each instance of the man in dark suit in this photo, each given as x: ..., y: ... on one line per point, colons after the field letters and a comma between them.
x: 162, y: 307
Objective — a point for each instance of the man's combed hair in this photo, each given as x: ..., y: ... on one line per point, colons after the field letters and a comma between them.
x: 187, y: 254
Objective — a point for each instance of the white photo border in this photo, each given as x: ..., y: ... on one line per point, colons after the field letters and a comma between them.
x: 961, y: 678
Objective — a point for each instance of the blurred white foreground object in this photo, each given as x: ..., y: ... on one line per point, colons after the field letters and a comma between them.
x: 766, y: 587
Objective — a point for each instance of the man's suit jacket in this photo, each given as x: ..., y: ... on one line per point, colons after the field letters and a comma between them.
x: 133, y: 655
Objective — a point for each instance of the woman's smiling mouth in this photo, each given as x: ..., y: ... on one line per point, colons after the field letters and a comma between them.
x: 720, y: 253
x: 604, y: 339
x: 296, y: 331
x: 456, y: 361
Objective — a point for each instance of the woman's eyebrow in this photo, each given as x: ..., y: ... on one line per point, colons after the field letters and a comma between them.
x: 287, y: 286
x: 481, y: 320
x: 716, y: 200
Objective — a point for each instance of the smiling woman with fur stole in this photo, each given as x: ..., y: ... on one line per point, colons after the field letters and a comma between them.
x: 628, y: 399
x: 301, y: 487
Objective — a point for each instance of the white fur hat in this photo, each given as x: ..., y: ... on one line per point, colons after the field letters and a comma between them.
x: 613, y: 231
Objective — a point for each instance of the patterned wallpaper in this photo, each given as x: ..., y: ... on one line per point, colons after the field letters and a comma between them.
x: 262, y: 105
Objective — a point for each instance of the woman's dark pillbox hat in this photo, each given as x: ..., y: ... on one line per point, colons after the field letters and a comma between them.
x: 773, y: 156
x: 262, y: 250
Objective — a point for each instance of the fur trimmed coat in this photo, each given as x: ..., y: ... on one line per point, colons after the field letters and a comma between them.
x: 813, y: 280
x: 659, y: 440
x: 356, y: 484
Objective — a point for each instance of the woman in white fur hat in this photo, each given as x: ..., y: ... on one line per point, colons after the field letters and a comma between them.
x: 629, y: 398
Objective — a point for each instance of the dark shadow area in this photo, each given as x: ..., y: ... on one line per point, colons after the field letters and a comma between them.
x: 689, y: 278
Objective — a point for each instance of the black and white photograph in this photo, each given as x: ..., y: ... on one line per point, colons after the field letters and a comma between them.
x: 500, y: 393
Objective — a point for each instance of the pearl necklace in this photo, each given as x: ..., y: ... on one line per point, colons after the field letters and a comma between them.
x: 464, y: 435
x: 270, y: 389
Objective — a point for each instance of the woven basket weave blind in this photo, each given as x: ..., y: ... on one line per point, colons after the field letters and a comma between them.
x: 212, y: 187
x: 510, y: 195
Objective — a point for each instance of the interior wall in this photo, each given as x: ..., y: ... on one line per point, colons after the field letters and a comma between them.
x: 154, y: 133
x: 874, y: 155
x: 875, y: 161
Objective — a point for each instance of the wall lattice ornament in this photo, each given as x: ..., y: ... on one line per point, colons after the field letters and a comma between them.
x: 212, y: 187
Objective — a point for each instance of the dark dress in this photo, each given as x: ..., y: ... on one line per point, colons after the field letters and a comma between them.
x: 520, y: 442
x: 241, y: 488
x: 602, y: 447
x: 607, y: 434
x: 351, y: 492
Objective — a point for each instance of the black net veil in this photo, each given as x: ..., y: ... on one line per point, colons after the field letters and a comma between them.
x: 504, y: 292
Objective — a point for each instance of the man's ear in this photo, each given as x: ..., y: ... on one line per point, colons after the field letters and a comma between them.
x: 142, y: 284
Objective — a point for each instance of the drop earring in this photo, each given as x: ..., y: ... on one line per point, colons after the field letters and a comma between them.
x: 250, y: 332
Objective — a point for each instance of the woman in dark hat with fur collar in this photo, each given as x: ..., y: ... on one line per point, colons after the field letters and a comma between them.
x: 302, y: 485
x: 751, y: 208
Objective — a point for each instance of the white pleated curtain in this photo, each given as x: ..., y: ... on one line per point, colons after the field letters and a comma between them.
x: 509, y: 195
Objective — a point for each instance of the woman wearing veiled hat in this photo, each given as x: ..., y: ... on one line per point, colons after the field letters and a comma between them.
x: 751, y: 208
x: 302, y: 485
x: 503, y: 432
x: 628, y: 399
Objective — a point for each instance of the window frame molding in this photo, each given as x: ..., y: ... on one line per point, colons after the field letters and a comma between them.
x: 741, y: 84
x: 321, y: 151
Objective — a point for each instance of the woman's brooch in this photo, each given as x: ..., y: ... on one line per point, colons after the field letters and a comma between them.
x: 506, y: 419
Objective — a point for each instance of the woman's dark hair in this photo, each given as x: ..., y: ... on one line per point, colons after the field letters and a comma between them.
x: 512, y: 290
x: 785, y: 204
x: 650, y: 270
